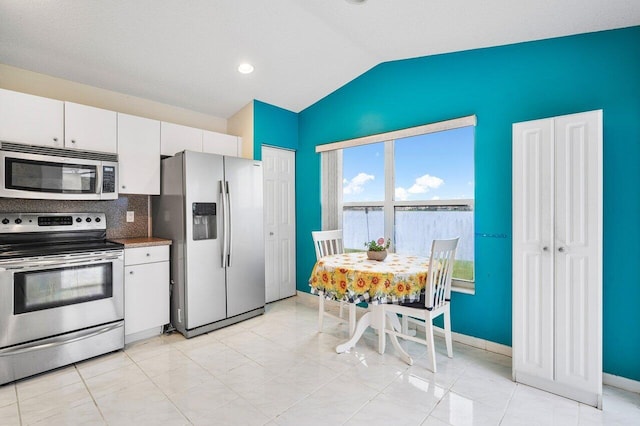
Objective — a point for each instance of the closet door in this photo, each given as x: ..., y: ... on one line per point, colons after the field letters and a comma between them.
x: 557, y: 255
x: 533, y: 313
x: 578, y: 254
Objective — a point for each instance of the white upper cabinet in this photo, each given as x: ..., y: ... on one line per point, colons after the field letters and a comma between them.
x: 219, y: 143
x: 31, y: 119
x: 175, y: 138
x: 89, y: 128
x: 138, y: 155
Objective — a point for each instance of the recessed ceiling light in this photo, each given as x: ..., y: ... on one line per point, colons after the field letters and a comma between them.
x: 245, y: 68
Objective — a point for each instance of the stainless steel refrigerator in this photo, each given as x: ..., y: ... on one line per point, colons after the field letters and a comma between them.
x: 211, y: 207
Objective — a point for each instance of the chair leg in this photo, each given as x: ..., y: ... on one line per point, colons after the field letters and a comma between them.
x: 447, y: 332
x: 352, y: 319
x: 431, y: 350
x: 320, y: 312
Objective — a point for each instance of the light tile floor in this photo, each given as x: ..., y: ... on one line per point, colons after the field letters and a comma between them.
x: 277, y: 369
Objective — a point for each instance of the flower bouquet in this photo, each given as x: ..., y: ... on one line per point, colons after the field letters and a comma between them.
x: 377, y: 249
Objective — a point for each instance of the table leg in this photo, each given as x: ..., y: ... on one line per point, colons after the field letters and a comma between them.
x: 395, y: 325
x: 361, y: 326
x: 352, y: 318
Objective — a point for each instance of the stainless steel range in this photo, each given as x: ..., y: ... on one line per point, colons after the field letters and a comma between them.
x: 61, y: 291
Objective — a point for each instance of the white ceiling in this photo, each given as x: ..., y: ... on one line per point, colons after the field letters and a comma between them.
x: 185, y: 53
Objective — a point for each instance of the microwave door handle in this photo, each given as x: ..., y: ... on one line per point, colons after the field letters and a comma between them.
x: 224, y: 223
x: 230, y: 239
x: 99, y: 179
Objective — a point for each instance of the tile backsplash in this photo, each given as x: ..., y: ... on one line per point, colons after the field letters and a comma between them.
x: 115, y: 210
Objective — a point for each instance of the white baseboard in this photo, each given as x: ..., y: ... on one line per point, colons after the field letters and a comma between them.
x: 487, y: 345
x: 621, y: 382
x: 607, y: 379
x: 457, y: 337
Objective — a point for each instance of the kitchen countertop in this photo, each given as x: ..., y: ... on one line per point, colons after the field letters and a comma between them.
x: 142, y: 242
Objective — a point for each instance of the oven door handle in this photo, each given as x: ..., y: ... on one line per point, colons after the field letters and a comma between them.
x: 52, y: 263
x: 58, y: 341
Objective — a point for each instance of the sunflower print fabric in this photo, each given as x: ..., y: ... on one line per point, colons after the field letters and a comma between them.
x: 351, y: 277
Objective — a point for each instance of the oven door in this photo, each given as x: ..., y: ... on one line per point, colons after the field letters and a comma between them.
x: 49, y: 177
x: 51, y: 295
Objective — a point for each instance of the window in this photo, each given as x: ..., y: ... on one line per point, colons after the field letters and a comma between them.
x: 413, y: 189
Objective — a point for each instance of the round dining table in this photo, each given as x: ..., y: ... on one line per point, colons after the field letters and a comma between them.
x: 353, y: 278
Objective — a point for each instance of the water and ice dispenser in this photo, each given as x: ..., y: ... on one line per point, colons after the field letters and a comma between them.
x: 204, y: 221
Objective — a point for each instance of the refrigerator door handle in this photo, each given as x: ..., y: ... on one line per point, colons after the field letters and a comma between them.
x: 230, y: 239
x: 224, y: 223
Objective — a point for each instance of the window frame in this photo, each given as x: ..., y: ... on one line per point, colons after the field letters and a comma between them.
x: 390, y: 203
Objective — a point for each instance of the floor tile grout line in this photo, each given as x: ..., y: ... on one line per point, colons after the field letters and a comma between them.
x: 506, y: 408
x: 95, y: 402
x: 15, y: 390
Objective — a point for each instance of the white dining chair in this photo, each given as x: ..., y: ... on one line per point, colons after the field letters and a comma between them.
x: 327, y: 243
x: 434, y: 302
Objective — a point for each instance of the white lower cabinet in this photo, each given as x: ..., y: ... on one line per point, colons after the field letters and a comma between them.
x: 146, y: 291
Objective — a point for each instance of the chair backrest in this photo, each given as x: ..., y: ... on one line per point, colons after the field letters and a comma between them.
x: 438, y: 288
x: 327, y: 242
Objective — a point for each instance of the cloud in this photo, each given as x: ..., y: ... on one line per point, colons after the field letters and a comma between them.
x: 356, y: 185
x: 421, y: 185
x: 401, y: 194
x: 425, y: 183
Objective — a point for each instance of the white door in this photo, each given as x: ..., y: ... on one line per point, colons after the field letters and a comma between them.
x: 578, y: 254
x: 533, y: 248
x: 557, y: 255
x: 279, y: 223
x: 138, y: 155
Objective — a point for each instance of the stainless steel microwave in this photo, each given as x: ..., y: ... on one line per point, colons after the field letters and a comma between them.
x: 41, y: 172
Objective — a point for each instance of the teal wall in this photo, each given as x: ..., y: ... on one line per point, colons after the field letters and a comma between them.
x: 273, y: 126
x: 501, y: 86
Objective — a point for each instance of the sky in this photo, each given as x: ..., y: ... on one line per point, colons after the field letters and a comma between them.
x: 435, y: 166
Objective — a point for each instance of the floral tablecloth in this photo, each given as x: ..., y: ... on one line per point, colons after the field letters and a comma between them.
x: 351, y: 277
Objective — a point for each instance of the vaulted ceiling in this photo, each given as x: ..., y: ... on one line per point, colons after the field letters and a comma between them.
x: 186, y: 53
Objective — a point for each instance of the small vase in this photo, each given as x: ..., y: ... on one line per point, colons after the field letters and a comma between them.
x: 377, y: 255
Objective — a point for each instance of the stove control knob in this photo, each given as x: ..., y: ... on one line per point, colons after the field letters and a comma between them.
x: 78, y: 219
x: 98, y: 219
x: 18, y: 221
x: 88, y: 219
x: 5, y: 221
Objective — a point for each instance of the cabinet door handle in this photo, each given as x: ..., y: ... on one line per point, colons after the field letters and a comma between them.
x: 130, y: 272
x: 73, y: 141
x: 545, y: 248
x: 124, y: 187
x: 561, y: 249
x: 55, y: 139
x: 148, y: 254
